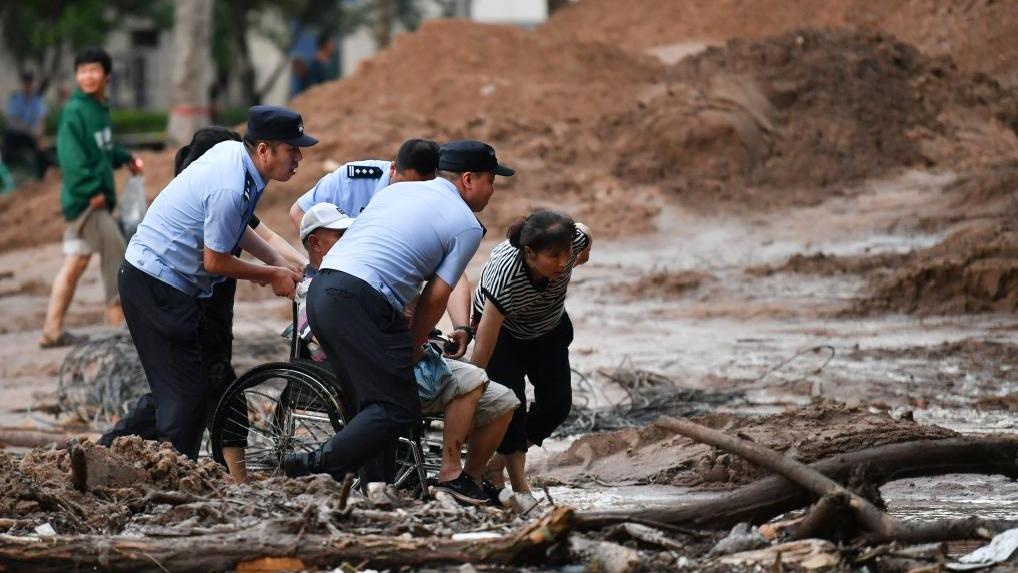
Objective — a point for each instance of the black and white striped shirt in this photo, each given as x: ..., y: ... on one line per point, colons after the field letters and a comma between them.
x: 529, y: 312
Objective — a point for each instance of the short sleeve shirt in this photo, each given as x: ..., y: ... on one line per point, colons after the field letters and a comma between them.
x: 411, y: 232
x: 210, y: 204
x: 530, y: 312
x: 30, y: 109
x: 350, y: 187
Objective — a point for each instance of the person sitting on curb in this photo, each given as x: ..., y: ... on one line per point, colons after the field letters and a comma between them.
x: 473, y: 405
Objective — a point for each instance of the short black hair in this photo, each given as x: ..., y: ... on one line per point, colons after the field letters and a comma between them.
x: 94, y: 55
x: 203, y: 140
x: 27, y: 76
x: 323, y: 39
x: 421, y: 155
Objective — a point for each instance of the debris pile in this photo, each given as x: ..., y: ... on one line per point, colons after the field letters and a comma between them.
x: 807, y: 110
x: 655, y: 454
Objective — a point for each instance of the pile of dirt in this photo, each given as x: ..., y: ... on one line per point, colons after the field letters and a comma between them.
x: 663, y: 285
x: 822, y: 264
x: 979, y: 34
x: 974, y: 269
x: 38, y: 488
x: 146, y: 489
x: 600, y: 131
x: 808, y: 109
x: 655, y: 455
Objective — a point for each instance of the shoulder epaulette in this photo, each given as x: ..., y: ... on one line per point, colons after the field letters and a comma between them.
x: 354, y: 171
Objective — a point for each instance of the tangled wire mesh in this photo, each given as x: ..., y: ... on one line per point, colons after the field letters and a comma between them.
x: 100, y: 379
x: 648, y: 395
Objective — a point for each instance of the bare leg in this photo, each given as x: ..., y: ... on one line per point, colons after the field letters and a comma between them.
x: 234, y: 458
x: 115, y: 314
x: 515, y: 465
x: 64, y: 285
x: 459, y: 417
x: 482, y: 444
x: 495, y: 472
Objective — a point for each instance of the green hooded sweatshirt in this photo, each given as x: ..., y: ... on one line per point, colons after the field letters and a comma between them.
x: 86, y: 154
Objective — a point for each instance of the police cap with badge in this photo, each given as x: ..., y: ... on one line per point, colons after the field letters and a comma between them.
x: 274, y: 123
x: 470, y: 155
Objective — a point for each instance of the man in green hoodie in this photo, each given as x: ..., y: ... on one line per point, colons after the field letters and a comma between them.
x: 87, y: 159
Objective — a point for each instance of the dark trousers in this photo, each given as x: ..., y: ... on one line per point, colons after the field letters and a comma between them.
x: 369, y: 349
x: 545, y: 362
x: 215, y: 337
x: 20, y: 147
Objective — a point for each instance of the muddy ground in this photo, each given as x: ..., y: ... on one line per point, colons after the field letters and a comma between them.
x: 802, y: 234
x: 725, y: 307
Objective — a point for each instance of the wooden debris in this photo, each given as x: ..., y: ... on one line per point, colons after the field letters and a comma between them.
x: 606, y: 556
x: 772, y: 496
x: 880, y: 525
x: 808, y: 554
x: 219, y: 552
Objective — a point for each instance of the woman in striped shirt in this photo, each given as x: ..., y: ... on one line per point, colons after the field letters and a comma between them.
x: 522, y: 328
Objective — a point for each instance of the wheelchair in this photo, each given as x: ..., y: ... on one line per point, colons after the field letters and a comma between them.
x: 296, y: 406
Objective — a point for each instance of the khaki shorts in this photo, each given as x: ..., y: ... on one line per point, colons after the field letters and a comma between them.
x: 495, y: 401
x: 95, y: 231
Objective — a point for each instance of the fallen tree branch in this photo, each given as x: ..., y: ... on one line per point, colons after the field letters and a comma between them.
x: 229, y: 551
x: 33, y: 437
x: 880, y: 524
x: 771, y: 496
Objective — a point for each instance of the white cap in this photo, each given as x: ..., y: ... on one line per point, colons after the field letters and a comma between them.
x: 324, y: 215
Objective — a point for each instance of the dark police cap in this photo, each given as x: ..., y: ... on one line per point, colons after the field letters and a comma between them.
x: 274, y: 123
x: 470, y: 155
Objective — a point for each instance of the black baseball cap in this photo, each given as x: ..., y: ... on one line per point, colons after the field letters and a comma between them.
x: 470, y: 155
x: 274, y: 123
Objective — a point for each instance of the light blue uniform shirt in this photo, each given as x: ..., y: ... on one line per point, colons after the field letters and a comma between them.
x: 350, y: 187
x: 30, y: 109
x: 208, y: 205
x: 409, y: 233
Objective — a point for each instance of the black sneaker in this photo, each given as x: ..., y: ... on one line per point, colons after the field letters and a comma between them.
x: 300, y: 464
x: 492, y: 491
x: 463, y: 489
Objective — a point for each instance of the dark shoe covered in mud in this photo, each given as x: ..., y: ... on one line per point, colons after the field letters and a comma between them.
x: 301, y: 464
x: 493, y: 492
x: 463, y: 489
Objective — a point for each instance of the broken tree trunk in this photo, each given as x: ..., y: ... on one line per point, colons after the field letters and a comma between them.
x: 771, y: 496
x: 32, y: 437
x: 881, y: 525
x: 229, y: 551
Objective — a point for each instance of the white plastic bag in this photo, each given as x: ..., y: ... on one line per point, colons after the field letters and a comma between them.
x: 132, y: 205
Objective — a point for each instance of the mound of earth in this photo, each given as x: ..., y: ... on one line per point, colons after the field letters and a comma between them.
x: 655, y: 455
x: 979, y: 35
x: 38, y: 488
x: 664, y: 285
x: 808, y: 109
x: 974, y: 269
x: 829, y: 265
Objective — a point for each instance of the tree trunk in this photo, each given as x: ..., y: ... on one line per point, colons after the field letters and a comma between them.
x: 771, y: 496
x: 383, y: 23
x: 192, y: 70
x: 269, y: 544
x: 881, y: 525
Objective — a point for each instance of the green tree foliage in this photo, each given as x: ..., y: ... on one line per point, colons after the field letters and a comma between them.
x: 37, y: 33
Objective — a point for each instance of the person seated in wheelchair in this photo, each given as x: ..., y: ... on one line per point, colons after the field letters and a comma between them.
x: 476, y: 410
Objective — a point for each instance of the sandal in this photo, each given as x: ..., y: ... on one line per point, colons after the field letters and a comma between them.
x: 65, y: 339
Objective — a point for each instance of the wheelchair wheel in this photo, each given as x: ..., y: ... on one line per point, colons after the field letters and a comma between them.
x: 276, y: 409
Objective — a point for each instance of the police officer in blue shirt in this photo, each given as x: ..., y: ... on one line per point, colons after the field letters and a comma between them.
x: 413, y: 234
x: 185, y: 246
x: 352, y: 186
